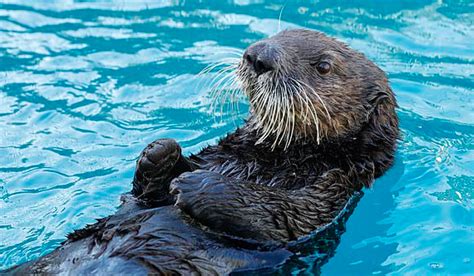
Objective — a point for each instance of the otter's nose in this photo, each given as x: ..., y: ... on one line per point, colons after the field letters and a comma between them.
x: 262, y: 57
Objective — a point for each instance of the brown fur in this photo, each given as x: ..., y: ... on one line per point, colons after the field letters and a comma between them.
x: 234, y: 199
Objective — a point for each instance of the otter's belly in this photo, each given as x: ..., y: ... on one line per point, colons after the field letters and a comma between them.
x: 159, y: 240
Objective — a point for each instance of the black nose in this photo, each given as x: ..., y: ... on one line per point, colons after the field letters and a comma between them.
x: 262, y: 57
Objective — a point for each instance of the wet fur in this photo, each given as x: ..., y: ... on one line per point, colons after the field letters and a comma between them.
x: 238, y: 204
x: 274, y: 190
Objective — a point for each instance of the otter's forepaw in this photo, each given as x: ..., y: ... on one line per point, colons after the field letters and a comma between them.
x: 194, y: 189
x: 221, y: 203
x: 155, y: 167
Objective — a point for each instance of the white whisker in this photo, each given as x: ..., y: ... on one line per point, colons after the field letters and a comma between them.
x: 279, y: 17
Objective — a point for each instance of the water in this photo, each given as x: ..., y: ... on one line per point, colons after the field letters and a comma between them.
x: 85, y: 86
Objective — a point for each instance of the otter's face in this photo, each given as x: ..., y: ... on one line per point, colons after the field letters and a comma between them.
x: 304, y: 85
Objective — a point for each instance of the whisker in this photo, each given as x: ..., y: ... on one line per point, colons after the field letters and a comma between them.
x: 210, y: 68
x: 320, y: 99
x: 279, y: 17
x: 225, y: 92
x: 310, y: 106
x: 217, y: 90
x: 223, y: 85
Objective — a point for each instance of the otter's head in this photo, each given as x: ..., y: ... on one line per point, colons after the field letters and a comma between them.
x: 303, y: 85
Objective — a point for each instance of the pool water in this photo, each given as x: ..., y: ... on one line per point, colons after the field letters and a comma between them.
x: 85, y: 86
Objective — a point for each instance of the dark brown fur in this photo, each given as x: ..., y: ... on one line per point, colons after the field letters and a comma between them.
x: 237, y: 200
x: 282, y: 194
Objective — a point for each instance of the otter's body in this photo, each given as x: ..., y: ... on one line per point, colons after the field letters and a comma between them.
x: 322, y: 126
x: 138, y: 241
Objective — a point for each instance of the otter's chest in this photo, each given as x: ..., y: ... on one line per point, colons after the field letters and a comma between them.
x: 274, y: 171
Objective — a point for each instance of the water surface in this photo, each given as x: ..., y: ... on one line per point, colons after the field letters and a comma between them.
x: 85, y: 86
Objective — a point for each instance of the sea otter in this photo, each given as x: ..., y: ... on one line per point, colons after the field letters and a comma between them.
x: 322, y: 126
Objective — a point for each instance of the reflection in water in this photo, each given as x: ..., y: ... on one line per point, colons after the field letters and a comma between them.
x: 84, y: 86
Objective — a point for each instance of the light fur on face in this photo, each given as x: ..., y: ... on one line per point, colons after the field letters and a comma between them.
x: 283, y: 108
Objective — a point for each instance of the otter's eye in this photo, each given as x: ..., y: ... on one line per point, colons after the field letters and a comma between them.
x: 323, y: 67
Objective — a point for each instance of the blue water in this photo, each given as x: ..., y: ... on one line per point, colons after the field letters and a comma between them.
x: 85, y: 86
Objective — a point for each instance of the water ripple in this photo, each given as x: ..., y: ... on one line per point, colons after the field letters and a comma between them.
x: 84, y: 86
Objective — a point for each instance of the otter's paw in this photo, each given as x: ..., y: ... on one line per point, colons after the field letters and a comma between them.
x: 197, y: 188
x: 215, y: 201
x: 155, y: 168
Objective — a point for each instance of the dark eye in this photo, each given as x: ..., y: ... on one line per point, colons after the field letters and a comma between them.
x: 323, y: 67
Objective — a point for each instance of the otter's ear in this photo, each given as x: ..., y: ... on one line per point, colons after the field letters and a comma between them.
x: 382, y: 104
x: 382, y: 130
x: 378, y: 93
